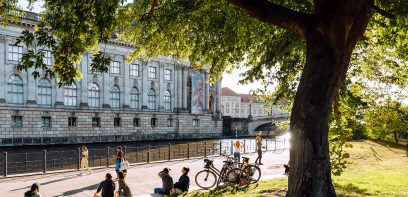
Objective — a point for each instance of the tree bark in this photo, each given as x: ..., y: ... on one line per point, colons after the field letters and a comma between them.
x: 330, y: 40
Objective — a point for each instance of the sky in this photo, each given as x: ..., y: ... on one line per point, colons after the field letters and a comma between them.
x: 228, y: 80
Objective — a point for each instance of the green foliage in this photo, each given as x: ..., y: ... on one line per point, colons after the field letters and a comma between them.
x: 338, y: 156
x: 384, y: 122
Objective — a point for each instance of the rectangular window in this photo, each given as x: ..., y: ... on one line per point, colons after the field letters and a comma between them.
x: 152, y: 72
x: 134, y: 70
x: 72, y: 121
x: 237, y: 105
x: 96, y: 122
x: 153, y: 122
x: 227, y: 111
x: 15, y: 52
x: 16, y: 121
x: 46, y: 121
x: 260, y: 111
x: 227, y: 104
x: 136, y: 122
x: 117, y: 122
x: 169, y: 122
x: 167, y: 74
x: 115, y: 67
x: 196, y: 122
x: 47, y: 58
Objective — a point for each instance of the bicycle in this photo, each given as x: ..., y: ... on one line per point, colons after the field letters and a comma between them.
x: 228, y: 174
x: 252, y: 170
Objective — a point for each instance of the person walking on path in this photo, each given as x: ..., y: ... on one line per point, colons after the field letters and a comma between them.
x: 33, y: 192
x: 167, y: 183
x: 259, y: 140
x: 119, y: 156
x: 84, y: 160
x: 184, y: 182
x: 106, y: 187
x: 124, y: 189
x: 237, y: 151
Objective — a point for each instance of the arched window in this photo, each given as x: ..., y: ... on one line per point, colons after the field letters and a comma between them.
x: 70, y: 95
x: 44, y: 92
x: 167, y: 101
x: 15, y: 89
x: 134, y: 98
x: 93, y: 95
x: 115, y: 96
x: 152, y: 99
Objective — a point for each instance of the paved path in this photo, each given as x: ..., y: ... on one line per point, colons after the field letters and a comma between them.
x: 142, y: 179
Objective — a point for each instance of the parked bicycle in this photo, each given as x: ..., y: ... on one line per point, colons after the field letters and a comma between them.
x: 252, y: 170
x: 229, y: 175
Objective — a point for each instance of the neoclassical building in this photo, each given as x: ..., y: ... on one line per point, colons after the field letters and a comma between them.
x: 137, y: 101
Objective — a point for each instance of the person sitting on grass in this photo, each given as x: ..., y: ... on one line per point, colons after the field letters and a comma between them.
x: 124, y: 189
x: 184, y: 181
x: 33, y: 192
x: 107, y: 187
x: 167, y: 182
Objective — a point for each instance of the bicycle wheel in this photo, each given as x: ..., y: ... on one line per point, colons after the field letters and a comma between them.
x: 237, y: 177
x: 254, y: 173
x: 205, y: 179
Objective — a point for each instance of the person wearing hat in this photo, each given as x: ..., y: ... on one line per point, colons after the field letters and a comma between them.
x: 167, y: 183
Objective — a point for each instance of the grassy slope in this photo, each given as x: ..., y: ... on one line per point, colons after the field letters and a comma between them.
x: 375, y: 169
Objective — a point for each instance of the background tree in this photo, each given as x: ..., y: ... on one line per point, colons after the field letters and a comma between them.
x: 304, y: 46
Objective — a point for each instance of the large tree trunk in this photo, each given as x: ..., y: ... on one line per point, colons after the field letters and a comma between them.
x: 329, y: 44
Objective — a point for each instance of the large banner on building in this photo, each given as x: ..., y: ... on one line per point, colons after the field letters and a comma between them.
x: 197, y: 93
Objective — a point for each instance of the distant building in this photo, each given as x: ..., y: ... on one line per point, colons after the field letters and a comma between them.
x: 238, y: 105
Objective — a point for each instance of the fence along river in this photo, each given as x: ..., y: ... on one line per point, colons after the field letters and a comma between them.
x: 43, y: 159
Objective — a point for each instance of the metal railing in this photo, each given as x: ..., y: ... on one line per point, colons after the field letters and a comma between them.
x: 47, y: 161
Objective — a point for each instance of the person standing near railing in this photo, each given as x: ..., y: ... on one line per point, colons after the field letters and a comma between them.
x: 259, y: 140
x: 237, y: 151
x: 84, y: 160
x: 120, y: 156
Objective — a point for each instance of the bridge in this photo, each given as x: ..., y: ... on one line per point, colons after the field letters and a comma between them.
x: 251, y: 125
x: 265, y: 123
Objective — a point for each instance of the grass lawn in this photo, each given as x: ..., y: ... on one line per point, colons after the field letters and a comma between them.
x: 375, y: 169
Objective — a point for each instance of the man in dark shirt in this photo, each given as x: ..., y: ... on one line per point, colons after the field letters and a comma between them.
x: 167, y: 182
x: 107, y: 186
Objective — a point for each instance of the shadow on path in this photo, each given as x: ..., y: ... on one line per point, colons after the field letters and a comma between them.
x: 76, y: 191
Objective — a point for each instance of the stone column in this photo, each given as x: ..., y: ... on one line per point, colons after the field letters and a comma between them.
x: 3, y: 79
x: 162, y: 86
x: 218, y: 99
x: 206, y: 91
x: 145, y: 85
x: 30, y: 83
x: 179, y: 87
x: 185, y: 78
x: 126, y: 86
x: 83, y: 84
x: 106, y: 88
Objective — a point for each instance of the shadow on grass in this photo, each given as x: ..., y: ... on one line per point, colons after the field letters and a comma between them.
x: 395, y: 145
x: 350, y: 187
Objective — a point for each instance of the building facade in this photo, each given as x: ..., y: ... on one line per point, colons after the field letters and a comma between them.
x: 137, y: 101
x: 238, y: 105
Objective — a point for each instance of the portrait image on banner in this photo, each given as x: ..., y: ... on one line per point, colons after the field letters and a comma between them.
x: 197, y: 93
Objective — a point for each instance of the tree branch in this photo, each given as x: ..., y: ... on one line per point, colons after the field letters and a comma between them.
x: 382, y: 12
x: 271, y: 13
x: 148, y: 15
